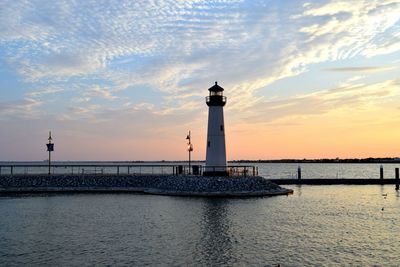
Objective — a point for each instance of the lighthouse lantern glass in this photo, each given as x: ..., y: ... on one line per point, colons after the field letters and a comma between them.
x: 213, y: 93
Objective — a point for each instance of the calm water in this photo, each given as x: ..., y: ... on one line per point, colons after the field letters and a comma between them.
x: 326, y: 170
x: 268, y: 170
x: 316, y: 226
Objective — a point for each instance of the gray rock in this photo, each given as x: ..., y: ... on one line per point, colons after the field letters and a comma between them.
x: 155, y: 184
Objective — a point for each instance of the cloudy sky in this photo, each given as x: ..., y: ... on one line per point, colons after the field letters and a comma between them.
x: 126, y: 80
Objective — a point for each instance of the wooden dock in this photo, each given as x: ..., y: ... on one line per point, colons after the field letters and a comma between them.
x: 335, y: 181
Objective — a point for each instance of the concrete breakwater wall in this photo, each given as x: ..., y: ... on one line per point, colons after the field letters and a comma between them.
x: 153, y: 184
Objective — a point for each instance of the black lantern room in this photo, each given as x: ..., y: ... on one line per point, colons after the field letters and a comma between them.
x: 216, y: 97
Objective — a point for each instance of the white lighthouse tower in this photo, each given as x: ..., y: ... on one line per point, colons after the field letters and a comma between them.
x: 216, y: 153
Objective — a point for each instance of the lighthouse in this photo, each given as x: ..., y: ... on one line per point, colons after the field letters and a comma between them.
x: 216, y: 153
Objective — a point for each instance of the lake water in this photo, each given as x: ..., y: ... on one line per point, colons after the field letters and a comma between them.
x: 268, y: 170
x: 316, y: 226
x: 326, y: 170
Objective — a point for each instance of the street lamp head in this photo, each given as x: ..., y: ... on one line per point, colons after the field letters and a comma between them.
x: 190, y: 147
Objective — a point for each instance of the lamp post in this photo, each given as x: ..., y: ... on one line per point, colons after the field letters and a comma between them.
x: 50, y: 148
x: 189, y: 148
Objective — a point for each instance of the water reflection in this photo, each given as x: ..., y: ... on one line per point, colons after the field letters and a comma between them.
x: 332, y: 225
x: 298, y: 190
x: 215, y: 244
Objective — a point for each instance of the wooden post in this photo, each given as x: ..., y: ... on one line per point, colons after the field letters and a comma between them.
x: 381, y: 171
x: 397, y: 178
x: 299, y: 172
x: 117, y: 170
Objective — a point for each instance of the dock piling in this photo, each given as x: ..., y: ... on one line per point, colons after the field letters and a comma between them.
x: 381, y: 171
x: 397, y: 178
x: 299, y: 172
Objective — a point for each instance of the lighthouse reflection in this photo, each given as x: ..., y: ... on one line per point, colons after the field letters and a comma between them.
x: 215, y: 244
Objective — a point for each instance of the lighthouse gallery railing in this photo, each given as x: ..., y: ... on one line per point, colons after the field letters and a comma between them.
x: 215, y: 98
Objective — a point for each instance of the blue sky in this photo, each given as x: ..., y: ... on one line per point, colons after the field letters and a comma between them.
x: 126, y: 80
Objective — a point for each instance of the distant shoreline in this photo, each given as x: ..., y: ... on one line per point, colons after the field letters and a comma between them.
x: 337, y: 160
x: 355, y: 160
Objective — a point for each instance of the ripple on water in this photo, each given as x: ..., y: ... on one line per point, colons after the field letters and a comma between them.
x: 317, y: 225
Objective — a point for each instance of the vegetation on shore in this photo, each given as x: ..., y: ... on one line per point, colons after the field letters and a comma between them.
x: 194, y: 162
x: 336, y: 160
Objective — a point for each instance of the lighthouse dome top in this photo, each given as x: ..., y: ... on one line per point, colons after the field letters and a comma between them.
x: 216, y: 88
x: 216, y: 97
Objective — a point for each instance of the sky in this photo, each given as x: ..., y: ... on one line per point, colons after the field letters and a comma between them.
x: 126, y: 80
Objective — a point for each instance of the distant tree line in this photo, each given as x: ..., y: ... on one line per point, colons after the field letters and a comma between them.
x: 325, y: 160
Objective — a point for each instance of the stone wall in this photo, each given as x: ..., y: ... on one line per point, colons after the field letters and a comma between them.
x: 159, y: 184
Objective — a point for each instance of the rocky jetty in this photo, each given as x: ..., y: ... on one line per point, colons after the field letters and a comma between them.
x: 152, y: 184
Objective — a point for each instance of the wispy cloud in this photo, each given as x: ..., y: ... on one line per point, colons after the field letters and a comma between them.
x: 89, y: 59
x: 46, y: 91
x: 98, y: 91
x: 188, y: 39
x: 356, y: 96
x: 23, y: 109
x: 359, y: 69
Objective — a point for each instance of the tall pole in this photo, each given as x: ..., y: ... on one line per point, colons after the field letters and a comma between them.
x: 50, y: 147
x: 190, y: 149
x: 49, y: 161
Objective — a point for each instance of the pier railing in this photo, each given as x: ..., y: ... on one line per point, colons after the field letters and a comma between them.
x: 122, y: 169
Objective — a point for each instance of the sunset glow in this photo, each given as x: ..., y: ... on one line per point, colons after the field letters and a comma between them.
x: 128, y: 80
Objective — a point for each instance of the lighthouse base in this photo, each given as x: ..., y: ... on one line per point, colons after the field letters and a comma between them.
x: 215, y: 173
